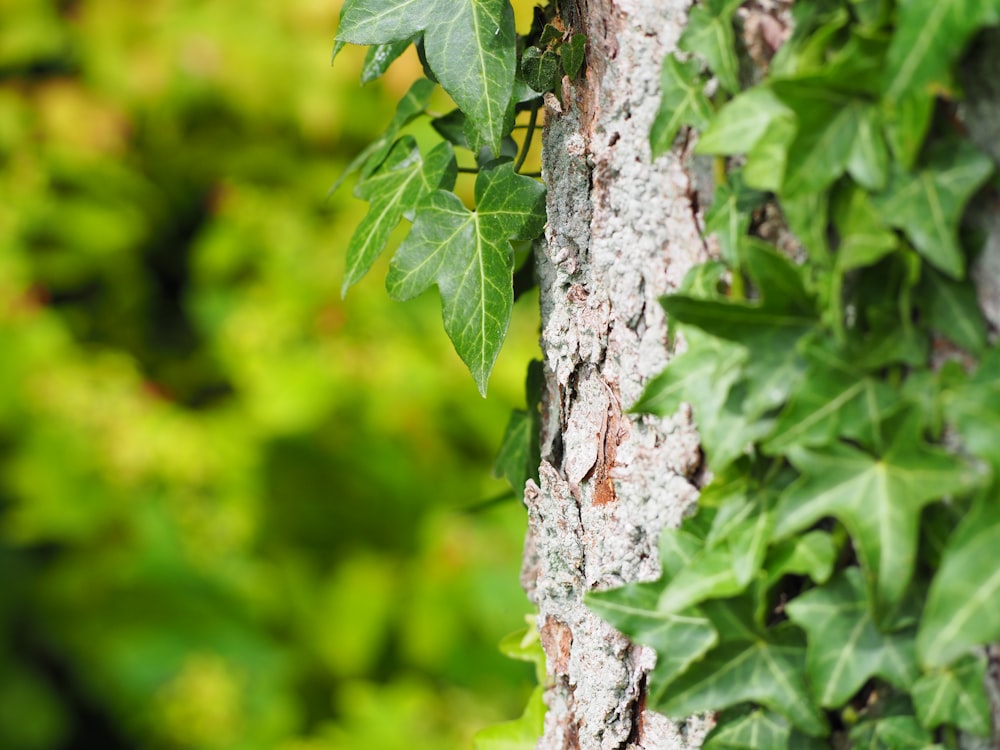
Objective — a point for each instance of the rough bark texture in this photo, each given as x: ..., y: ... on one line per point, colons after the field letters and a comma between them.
x: 622, y: 231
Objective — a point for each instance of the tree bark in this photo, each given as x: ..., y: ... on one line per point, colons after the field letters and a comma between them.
x: 622, y: 232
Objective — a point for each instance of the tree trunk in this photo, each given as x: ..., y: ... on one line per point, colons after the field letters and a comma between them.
x: 622, y: 232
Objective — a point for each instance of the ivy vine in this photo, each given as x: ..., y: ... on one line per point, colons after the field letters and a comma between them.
x: 472, y: 50
x: 838, y: 581
x: 836, y: 584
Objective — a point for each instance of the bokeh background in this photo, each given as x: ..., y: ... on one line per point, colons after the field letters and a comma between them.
x: 234, y: 509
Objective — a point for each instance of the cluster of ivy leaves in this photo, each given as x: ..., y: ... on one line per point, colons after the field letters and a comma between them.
x: 838, y: 581
x: 471, y: 49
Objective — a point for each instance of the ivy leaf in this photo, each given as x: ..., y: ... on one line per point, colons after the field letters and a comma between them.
x: 685, y: 377
x: 828, y: 124
x: 753, y: 730
x: 929, y: 37
x: 865, y: 238
x: 451, y: 127
x: 891, y: 733
x: 729, y: 215
x: 411, y: 106
x: 682, y: 102
x: 469, y: 257
x: 830, y: 394
x: 743, y: 121
x: 739, y: 322
x: 952, y: 308
x: 961, y: 611
x: 812, y: 554
x: 878, y: 499
x: 709, y: 34
x: 868, y: 160
x: 954, y: 695
x: 383, y: 21
x: 679, y: 638
x: 540, y: 68
x: 470, y: 46
x: 392, y: 192
x: 379, y: 57
x: 972, y: 407
x: 520, y: 454
x: 767, y: 669
x: 927, y: 205
x: 573, y: 53
x: 807, y: 217
x: 785, y: 312
x: 905, y: 122
x: 845, y: 646
x: 520, y: 734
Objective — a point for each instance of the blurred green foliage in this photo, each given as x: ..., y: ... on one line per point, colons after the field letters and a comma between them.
x: 230, y: 503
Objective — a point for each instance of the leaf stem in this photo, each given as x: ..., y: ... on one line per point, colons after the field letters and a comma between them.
x: 532, y: 120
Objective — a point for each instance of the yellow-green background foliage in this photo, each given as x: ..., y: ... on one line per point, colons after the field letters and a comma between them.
x: 229, y: 501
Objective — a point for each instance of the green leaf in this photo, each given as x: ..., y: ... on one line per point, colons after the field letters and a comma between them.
x: 868, y: 160
x: 828, y: 124
x: 878, y: 499
x: 392, y: 192
x: 954, y: 695
x: 961, y: 611
x: 812, y: 554
x: 906, y: 122
x: 684, y: 378
x: 952, y: 308
x: 738, y: 322
x: 751, y: 731
x: 709, y: 34
x: 930, y: 35
x: 411, y: 106
x: 540, y: 69
x: 865, y: 237
x: 768, y: 670
x: 573, y: 54
x: 682, y: 102
x: 520, y: 455
x: 679, y: 638
x: 379, y: 57
x: 974, y: 407
x: 892, y: 733
x: 742, y: 122
x: 469, y: 257
x: 520, y: 734
x: 830, y: 395
x: 729, y: 215
x: 845, y: 646
x: 470, y: 45
x: 928, y: 204
x: 767, y: 160
x: 806, y: 215
x: 451, y: 127
x: 525, y: 645
x: 383, y: 21
x: 513, y: 458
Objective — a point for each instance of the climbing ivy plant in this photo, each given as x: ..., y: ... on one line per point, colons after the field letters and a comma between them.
x: 838, y: 580
x: 470, y: 48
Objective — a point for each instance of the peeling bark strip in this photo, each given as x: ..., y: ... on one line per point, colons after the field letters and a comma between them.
x: 621, y: 232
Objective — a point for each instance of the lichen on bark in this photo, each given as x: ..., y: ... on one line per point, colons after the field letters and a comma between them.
x: 623, y: 230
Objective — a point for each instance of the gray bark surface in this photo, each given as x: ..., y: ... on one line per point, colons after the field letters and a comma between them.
x: 622, y: 232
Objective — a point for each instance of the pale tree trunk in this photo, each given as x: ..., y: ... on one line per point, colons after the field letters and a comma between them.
x: 623, y: 230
